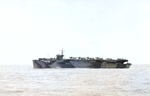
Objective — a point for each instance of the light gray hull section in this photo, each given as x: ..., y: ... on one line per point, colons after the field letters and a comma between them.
x: 35, y: 65
x: 39, y: 64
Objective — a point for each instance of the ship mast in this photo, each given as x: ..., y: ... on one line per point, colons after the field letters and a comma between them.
x: 60, y: 57
x: 62, y: 52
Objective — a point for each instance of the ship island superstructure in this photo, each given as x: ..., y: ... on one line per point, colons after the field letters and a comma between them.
x: 80, y: 62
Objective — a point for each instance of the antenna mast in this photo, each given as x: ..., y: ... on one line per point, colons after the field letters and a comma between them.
x: 62, y: 52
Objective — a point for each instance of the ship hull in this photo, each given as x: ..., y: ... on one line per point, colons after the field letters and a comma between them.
x: 78, y: 64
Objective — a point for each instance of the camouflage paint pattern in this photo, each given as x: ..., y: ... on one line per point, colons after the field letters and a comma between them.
x: 80, y: 62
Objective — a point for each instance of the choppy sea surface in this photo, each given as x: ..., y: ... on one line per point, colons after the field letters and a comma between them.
x: 24, y: 80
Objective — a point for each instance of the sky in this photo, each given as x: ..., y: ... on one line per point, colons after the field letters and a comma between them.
x: 32, y: 29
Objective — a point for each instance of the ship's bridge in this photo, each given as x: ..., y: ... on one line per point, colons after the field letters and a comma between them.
x: 59, y: 57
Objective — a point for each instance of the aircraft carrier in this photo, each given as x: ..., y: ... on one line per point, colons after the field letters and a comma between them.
x: 80, y: 62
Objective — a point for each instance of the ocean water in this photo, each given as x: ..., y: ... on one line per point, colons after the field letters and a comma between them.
x: 23, y: 80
